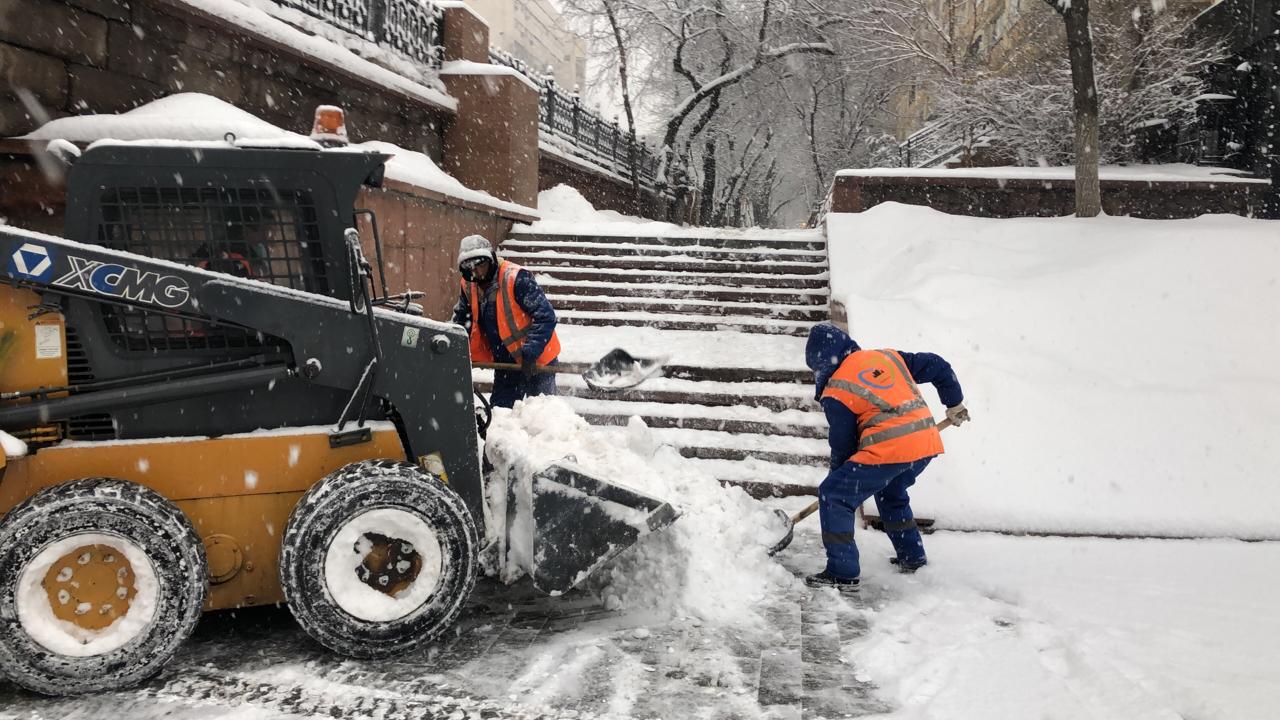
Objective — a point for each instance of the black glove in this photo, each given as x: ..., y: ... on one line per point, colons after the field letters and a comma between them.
x: 528, y: 371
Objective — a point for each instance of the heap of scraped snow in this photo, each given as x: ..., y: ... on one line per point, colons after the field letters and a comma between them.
x: 711, y: 563
x: 1120, y: 372
x: 565, y: 211
x: 200, y: 118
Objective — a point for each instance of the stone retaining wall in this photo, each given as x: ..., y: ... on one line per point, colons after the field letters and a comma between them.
x: 74, y: 57
x: 1022, y: 197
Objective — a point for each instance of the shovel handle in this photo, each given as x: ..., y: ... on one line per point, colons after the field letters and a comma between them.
x: 813, y: 507
x: 558, y: 368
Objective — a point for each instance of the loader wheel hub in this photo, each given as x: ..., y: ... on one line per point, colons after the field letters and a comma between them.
x: 91, y: 586
x: 390, y: 565
x: 384, y: 564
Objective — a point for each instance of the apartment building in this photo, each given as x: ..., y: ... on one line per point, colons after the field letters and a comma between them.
x: 534, y: 31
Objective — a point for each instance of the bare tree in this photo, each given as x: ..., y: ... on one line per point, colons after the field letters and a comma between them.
x: 1150, y: 70
x: 1084, y: 101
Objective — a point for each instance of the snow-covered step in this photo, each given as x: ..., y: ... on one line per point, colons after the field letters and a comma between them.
x: 774, y: 396
x: 587, y: 271
x: 684, y: 322
x: 810, y: 242
x: 669, y: 263
x: 807, y: 313
x: 664, y: 251
x: 732, y: 419
x: 763, y: 479
x: 705, y: 293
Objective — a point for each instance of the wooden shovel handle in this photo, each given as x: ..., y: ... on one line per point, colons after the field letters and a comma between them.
x: 558, y: 368
x: 813, y: 507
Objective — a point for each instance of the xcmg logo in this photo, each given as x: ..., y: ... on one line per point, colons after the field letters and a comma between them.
x: 31, y: 261
x: 128, y: 283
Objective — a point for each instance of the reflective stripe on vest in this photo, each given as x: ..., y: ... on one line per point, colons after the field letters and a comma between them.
x: 897, y: 431
x: 502, y: 291
x: 894, y: 422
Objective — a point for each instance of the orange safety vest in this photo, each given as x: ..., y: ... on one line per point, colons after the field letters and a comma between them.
x: 513, y: 322
x: 894, y: 423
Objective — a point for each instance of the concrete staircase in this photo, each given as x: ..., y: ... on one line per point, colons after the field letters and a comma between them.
x: 731, y: 311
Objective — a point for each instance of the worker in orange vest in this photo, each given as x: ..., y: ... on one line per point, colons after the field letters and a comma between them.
x: 510, y: 321
x: 882, y: 436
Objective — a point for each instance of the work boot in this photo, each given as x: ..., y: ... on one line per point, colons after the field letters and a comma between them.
x: 908, y: 567
x: 826, y: 579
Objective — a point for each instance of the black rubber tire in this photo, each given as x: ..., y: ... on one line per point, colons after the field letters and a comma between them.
x: 113, y: 507
x: 353, y: 490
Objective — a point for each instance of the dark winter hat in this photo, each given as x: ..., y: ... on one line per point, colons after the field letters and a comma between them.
x: 827, y: 347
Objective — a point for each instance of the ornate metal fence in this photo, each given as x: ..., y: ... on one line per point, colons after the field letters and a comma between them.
x: 569, y: 126
x: 411, y: 28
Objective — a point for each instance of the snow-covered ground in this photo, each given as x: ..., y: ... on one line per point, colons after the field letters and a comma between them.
x: 1120, y: 372
x: 1020, y: 627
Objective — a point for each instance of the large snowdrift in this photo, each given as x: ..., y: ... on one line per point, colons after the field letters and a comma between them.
x: 1121, y: 372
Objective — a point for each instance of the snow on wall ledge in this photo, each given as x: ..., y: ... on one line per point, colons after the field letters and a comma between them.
x: 1120, y: 372
x: 199, y: 118
x: 407, y: 79
x: 1174, y: 172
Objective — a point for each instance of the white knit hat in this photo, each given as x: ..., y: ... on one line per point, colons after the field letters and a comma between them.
x: 474, y: 246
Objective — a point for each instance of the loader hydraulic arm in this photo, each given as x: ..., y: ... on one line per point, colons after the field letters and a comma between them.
x: 423, y: 367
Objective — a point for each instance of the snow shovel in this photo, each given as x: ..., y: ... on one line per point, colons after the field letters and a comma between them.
x: 614, y: 372
x: 790, y: 521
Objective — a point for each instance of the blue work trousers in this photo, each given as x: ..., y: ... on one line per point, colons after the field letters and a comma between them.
x: 845, y: 489
x: 509, y: 386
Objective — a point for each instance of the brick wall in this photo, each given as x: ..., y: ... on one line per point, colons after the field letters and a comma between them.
x: 74, y: 57
x: 420, y: 242
x: 987, y: 197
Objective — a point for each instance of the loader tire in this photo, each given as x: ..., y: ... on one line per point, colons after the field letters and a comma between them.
x: 101, y: 581
x: 378, y: 559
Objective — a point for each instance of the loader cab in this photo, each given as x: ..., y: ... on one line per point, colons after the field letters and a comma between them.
x: 273, y: 215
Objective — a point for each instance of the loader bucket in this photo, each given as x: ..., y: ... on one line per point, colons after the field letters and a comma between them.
x: 579, y: 523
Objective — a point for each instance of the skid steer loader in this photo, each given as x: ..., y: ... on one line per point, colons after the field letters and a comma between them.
x: 220, y: 412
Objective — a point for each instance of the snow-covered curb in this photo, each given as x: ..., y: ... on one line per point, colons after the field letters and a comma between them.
x: 1114, y: 173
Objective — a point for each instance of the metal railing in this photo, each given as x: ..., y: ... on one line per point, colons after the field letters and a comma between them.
x: 938, y: 142
x: 582, y: 131
x: 410, y: 28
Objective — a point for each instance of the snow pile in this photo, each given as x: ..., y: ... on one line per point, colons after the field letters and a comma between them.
x: 565, y: 210
x: 1120, y: 372
x: 12, y: 446
x: 1001, y: 627
x: 711, y: 563
x: 184, y: 116
x: 419, y: 169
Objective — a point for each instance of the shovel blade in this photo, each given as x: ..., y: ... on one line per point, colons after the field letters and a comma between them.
x: 582, y: 522
x: 618, y: 370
